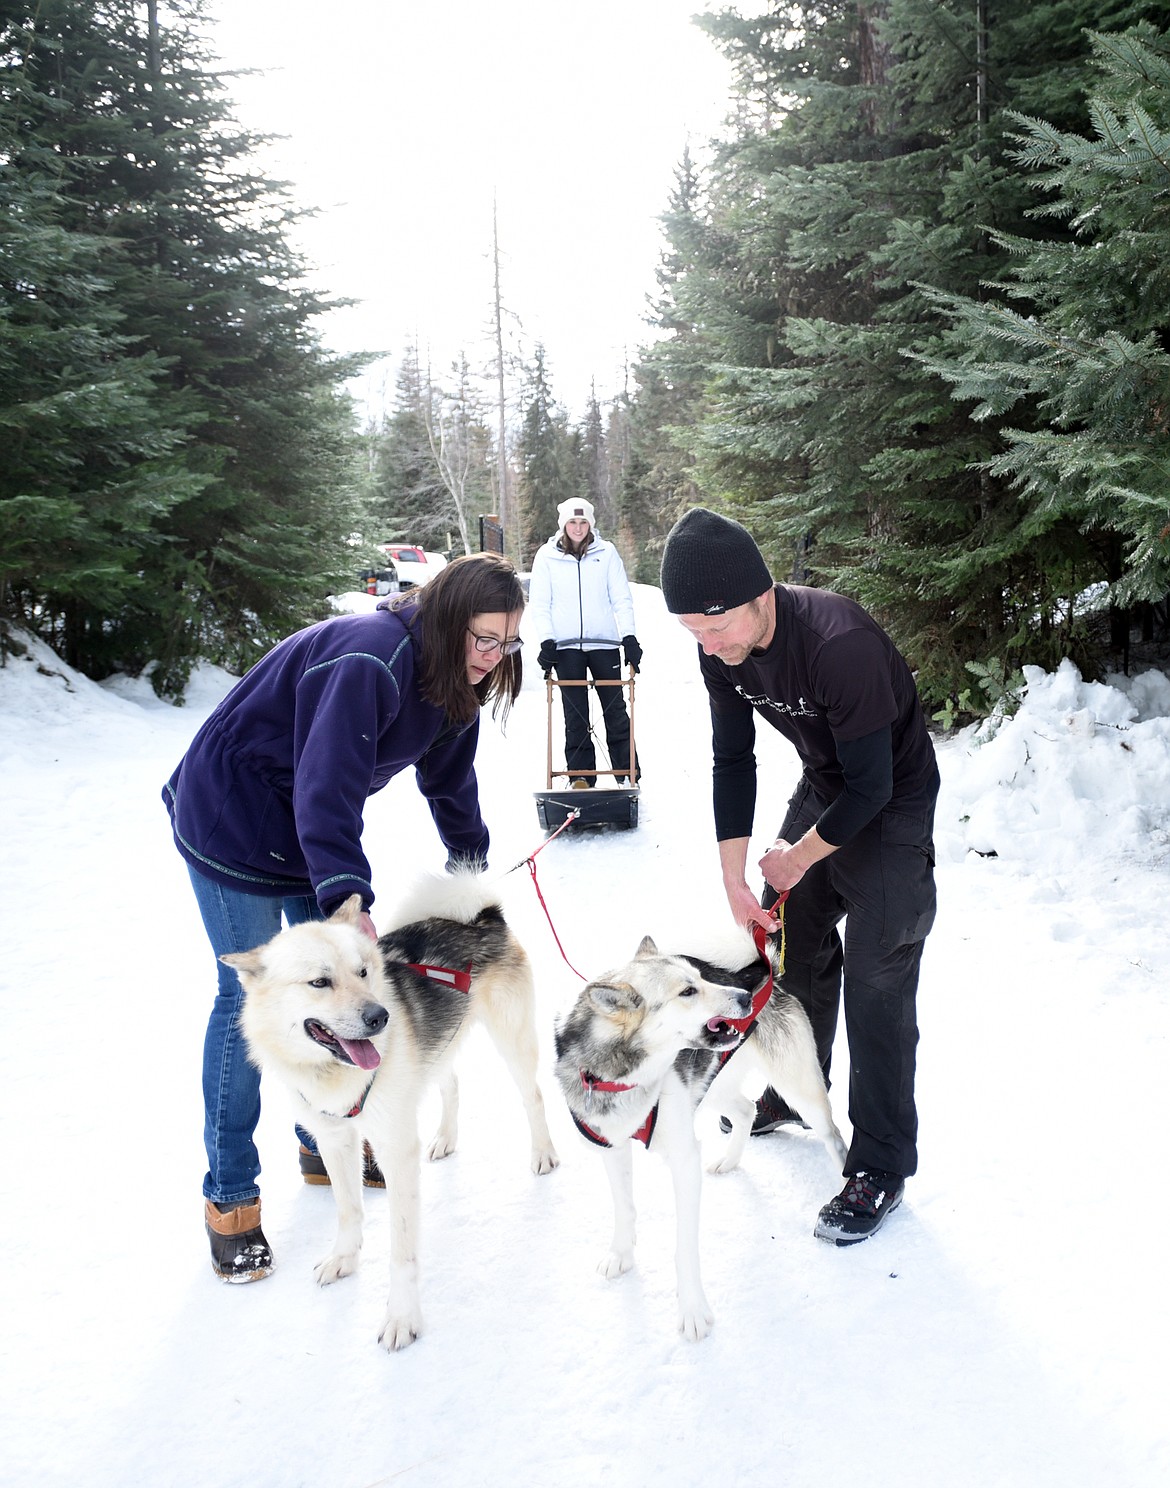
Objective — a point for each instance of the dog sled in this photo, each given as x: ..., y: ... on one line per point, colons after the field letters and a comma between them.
x: 612, y: 804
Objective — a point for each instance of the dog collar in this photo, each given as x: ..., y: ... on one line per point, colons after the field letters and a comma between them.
x: 590, y: 1083
x: 356, y: 1108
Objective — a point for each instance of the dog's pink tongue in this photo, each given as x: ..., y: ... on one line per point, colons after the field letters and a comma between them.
x: 361, y: 1051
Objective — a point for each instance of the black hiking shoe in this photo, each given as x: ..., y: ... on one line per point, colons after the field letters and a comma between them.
x: 239, y: 1251
x: 860, y: 1209
x: 313, y: 1169
x: 771, y: 1114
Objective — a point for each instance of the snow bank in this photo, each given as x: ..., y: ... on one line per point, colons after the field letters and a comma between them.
x: 1082, y: 770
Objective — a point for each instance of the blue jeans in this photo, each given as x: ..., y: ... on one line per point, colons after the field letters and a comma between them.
x: 235, y: 921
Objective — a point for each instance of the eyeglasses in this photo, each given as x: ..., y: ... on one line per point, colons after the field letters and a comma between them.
x: 493, y: 643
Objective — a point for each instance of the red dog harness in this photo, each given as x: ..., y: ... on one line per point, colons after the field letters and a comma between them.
x: 745, y: 1025
x: 589, y: 1084
x: 449, y: 977
x: 460, y: 980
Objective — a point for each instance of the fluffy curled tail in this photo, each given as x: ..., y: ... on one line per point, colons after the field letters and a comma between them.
x: 462, y: 895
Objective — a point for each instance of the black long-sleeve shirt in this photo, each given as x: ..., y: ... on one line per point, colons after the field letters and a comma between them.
x: 834, y: 684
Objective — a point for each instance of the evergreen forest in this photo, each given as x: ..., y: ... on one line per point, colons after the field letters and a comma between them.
x: 912, y: 327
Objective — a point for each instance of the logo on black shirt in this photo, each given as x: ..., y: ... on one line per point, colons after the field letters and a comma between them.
x: 800, y: 709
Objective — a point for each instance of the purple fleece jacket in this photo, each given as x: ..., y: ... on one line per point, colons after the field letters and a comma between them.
x: 269, y: 796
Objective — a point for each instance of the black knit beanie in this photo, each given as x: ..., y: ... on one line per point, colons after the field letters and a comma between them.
x: 711, y: 564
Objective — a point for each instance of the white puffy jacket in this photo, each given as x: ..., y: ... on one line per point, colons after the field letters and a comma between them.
x: 583, y: 603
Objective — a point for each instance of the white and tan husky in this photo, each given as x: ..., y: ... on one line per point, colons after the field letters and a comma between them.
x: 358, y: 1029
x: 639, y: 1050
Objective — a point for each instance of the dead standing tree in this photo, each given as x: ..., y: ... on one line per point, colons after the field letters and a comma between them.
x: 460, y: 445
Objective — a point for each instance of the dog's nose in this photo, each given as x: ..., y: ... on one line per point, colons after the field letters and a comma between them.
x: 375, y: 1016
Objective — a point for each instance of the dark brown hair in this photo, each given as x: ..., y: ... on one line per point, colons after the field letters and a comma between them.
x: 476, y: 584
x: 579, y: 548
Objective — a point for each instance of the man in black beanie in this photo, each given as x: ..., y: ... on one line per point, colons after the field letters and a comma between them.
x: 857, y: 838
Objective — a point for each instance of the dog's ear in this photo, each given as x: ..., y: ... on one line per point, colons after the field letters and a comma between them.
x: 609, y: 998
x: 246, y: 963
x: 647, y: 948
x: 349, y: 911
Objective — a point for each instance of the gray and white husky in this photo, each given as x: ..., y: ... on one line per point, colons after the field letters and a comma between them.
x: 641, y: 1048
x: 358, y: 1029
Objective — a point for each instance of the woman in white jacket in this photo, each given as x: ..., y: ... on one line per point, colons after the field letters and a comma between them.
x: 579, y: 602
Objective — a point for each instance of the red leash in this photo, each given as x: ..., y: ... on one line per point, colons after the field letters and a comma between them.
x: 759, y: 934
x: 530, y: 860
x: 763, y: 992
x: 548, y: 917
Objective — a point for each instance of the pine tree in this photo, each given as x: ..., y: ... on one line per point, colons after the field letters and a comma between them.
x: 1087, y: 352
x: 658, y: 471
x: 88, y: 431
x: 409, y: 502
x: 461, y: 450
x: 123, y: 124
x: 619, y: 463
x: 547, y: 469
x: 869, y: 162
x: 595, y: 464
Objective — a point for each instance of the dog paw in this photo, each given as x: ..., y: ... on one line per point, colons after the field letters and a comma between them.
x: 440, y: 1148
x: 544, y: 1161
x: 725, y: 1164
x: 695, y: 1321
x: 616, y: 1263
x: 400, y: 1332
x: 334, y: 1267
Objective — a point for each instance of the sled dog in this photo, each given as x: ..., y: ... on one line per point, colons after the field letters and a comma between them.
x: 358, y: 1029
x: 639, y: 1050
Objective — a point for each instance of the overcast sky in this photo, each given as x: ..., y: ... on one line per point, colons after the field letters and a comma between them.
x: 402, y: 118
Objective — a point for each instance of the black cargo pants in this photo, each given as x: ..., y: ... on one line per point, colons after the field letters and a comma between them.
x: 881, y: 883
x: 603, y: 665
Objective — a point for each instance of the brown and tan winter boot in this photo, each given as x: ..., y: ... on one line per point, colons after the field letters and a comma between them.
x: 239, y: 1251
x: 313, y: 1168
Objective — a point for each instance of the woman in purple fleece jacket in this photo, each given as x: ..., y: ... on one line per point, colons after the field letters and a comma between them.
x: 266, y: 807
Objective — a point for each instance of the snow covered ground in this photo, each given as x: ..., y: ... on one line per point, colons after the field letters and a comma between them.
x: 1006, y: 1328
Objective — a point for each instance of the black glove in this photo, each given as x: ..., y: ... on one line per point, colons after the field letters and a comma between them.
x: 633, y: 651
x: 546, y: 656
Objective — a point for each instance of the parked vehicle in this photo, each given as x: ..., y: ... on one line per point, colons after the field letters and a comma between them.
x: 413, y: 566
x: 378, y: 581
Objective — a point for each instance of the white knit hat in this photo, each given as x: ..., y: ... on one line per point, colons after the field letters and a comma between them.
x: 576, y: 508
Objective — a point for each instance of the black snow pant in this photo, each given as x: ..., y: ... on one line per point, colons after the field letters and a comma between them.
x: 882, y: 884
x: 573, y: 665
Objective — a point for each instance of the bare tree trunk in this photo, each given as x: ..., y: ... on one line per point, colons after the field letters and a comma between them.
x: 873, y: 58
x: 501, y: 440
x: 451, y: 451
x: 152, y: 33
